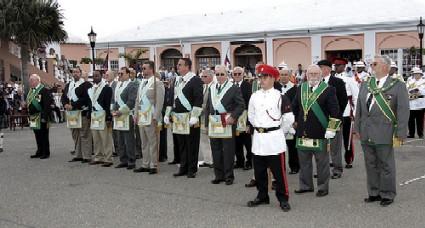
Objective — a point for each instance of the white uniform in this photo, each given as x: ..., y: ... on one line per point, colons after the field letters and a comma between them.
x: 352, y: 88
x: 412, y: 83
x: 273, y: 142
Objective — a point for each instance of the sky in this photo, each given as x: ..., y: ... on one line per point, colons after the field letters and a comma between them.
x: 111, y: 17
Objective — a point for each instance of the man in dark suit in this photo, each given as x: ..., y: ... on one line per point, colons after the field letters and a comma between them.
x: 341, y: 94
x: 243, y: 138
x: 225, y: 104
x: 187, y: 107
x: 40, y: 103
x: 316, y: 119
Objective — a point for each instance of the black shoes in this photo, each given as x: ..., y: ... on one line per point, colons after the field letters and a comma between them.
x: 35, y: 156
x: 121, y: 165
x: 95, y: 163
x: 85, y: 161
x: 322, y: 193
x: 336, y: 176
x: 385, y: 202
x: 348, y: 166
x: 238, y: 166
x: 285, y: 206
x: 229, y: 181
x: 173, y: 162
x: 141, y: 170
x: 206, y: 165
x: 258, y: 201
x: 372, y: 199
x: 302, y: 191
x: 153, y: 171
x: 248, y: 166
x: 131, y: 167
x: 179, y: 174
x: 252, y: 183
x: 45, y: 157
x: 292, y: 172
x: 107, y: 164
x: 217, y: 181
x: 76, y: 160
x: 191, y: 175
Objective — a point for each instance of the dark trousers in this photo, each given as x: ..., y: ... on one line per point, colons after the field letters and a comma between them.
x: 223, y: 153
x: 42, y: 140
x: 137, y: 142
x: 126, y: 146
x: 349, y: 150
x: 176, y: 148
x: 276, y: 163
x: 189, y: 150
x: 416, y: 118
x: 242, y: 140
x: 163, y: 143
x: 294, y: 163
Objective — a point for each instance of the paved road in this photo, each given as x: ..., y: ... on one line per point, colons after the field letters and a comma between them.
x: 55, y: 193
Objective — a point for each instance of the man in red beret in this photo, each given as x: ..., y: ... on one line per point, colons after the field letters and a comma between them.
x: 271, y: 117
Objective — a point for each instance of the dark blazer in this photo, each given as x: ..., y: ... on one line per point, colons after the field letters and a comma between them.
x: 46, y: 103
x: 341, y: 93
x: 193, y: 91
x: 277, y: 86
x: 291, y: 93
x: 104, y: 100
x: 128, y: 95
x: 312, y: 128
x: 232, y: 101
x: 246, y: 89
x: 83, y: 102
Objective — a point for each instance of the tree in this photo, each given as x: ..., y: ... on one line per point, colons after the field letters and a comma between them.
x: 133, y: 58
x: 31, y: 24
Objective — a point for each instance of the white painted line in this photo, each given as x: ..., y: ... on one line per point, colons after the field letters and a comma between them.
x: 412, y: 180
x: 412, y: 140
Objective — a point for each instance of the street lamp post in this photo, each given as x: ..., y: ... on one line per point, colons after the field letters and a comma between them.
x: 421, y: 28
x: 92, y: 38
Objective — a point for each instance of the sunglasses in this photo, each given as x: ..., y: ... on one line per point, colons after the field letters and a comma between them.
x: 204, y: 76
x: 237, y: 74
x: 220, y: 74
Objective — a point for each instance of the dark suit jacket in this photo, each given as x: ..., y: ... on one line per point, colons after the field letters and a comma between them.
x: 341, y: 93
x: 193, y: 91
x: 232, y: 101
x: 46, y: 103
x: 83, y: 98
x: 312, y: 128
x: 277, y: 86
x: 291, y: 93
x: 104, y: 100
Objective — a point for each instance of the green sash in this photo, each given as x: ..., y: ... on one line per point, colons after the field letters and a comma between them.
x: 35, y: 119
x: 380, y: 100
x: 308, y: 101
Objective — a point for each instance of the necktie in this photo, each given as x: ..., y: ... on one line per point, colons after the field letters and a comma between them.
x: 284, y: 86
x: 369, y: 100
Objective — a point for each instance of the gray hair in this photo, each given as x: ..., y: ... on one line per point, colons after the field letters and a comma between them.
x: 385, y: 59
x: 35, y: 76
x: 208, y: 72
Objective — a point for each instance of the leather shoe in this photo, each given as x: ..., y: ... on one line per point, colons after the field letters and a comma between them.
x: 348, y: 166
x: 322, y: 193
x: 385, y: 202
x: 248, y: 166
x: 285, y: 206
x: 179, y: 174
x: 371, y: 199
x: 153, y: 171
x: 45, y: 157
x: 121, y: 165
x: 292, y: 172
x: 252, y: 183
x: 238, y: 166
x: 191, y: 175
x: 35, y: 156
x: 173, y: 162
x: 107, y: 164
x: 258, y: 201
x: 85, y: 161
x: 229, y: 181
x: 131, y: 167
x: 336, y: 176
x: 95, y: 163
x: 141, y: 170
x: 301, y: 191
x: 206, y: 165
x: 76, y: 160
x: 217, y: 181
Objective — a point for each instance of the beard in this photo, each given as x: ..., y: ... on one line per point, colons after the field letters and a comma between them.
x: 314, y: 82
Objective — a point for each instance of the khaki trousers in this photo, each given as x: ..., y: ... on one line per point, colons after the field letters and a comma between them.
x: 149, y: 137
x: 102, y: 145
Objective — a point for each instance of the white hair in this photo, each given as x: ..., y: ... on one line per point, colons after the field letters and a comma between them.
x: 35, y: 76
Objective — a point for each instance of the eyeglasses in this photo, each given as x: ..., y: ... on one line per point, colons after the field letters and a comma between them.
x: 204, y: 76
x: 237, y: 74
x: 144, y: 68
x: 374, y: 64
x: 220, y: 74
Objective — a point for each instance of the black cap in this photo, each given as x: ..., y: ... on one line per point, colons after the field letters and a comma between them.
x: 324, y: 62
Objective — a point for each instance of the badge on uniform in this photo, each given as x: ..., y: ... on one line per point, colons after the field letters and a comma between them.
x: 216, y: 128
x: 181, y: 123
x: 122, y: 123
x: 310, y: 144
x: 73, y: 119
x: 97, y: 120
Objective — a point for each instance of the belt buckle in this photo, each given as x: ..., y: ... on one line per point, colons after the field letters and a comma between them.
x: 261, y: 130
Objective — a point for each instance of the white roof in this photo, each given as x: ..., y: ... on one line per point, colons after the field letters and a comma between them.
x: 294, y: 15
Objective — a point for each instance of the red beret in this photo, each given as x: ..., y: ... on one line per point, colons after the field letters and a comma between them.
x: 265, y: 69
x: 340, y: 61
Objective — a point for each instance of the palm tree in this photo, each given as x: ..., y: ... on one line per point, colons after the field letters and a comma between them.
x: 31, y: 24
x: 133, y: 58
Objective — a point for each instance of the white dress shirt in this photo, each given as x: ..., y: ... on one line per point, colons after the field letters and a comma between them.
x: 270, y: 143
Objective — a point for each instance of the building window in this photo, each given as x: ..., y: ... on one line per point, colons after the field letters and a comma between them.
x: 114, y: 65
x: 73, y: 63
x: 410, y: 57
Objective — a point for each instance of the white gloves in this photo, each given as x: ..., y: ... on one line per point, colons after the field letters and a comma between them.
x: 329, y: 134
x: 192, y: 121
x: 287, y: 121
x: 291, y: 131
x: 166, y: 120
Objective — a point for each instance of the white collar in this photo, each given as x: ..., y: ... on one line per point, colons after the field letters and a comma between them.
x: 188, y: 76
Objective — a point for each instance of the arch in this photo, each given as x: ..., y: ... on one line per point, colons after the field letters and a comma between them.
x: 207, y: 57
x: 293, y: 53
x: 399, y: 40
x: 170, y: 57
x: 343, y: 43
x: 247, y: 55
